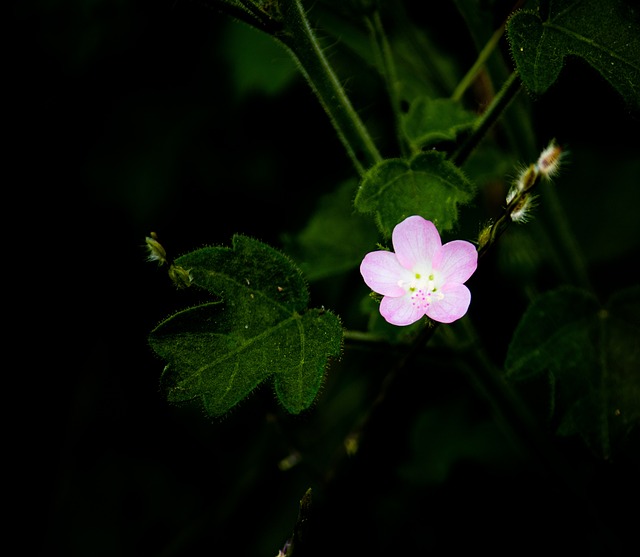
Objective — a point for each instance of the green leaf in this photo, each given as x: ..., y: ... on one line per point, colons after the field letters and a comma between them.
x: 260, y: 326
x: 606, y: 34
x: 430, y: 121
x: 590, y: 356
x: 427, y: 185
x: 335, y: 238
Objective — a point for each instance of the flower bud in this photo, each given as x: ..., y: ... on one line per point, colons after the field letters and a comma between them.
x: 156, y: 251
x: 484, y: 236
x: 549, y: 161
x: 180, y: 276
x: 526, y: 180
x: 520, y: 213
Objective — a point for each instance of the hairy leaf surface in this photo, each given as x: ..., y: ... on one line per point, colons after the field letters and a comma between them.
x: 427, y: 185
x: 590, y: 356
x: 258, y: 327
x: 606, y: 34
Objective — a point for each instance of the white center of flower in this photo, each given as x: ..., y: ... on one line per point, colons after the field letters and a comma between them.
x: 423, y: 288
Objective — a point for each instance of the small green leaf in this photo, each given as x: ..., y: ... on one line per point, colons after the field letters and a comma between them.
x: 430, y: 121
x: 260, y: 326
x: 590, y: 355
x: 606, y: 34
x: 427, y: 185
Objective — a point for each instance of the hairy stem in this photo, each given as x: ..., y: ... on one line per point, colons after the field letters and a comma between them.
x: 247, y: 12
x: 354, y: 437
x: 484, y: 54
x: 303, y: 44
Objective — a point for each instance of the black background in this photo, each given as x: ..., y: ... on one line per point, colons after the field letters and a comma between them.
x: 122, y: 121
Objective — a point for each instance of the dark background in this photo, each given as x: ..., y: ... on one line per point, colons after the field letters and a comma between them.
x: 124, y: 119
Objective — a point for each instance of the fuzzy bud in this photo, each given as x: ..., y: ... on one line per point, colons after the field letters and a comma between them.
x: 549, y: 161
x: 520, y: 213
x: 156, y: 251
x: 180, y: 276
x: 526, y: 180
x: 484, y: 237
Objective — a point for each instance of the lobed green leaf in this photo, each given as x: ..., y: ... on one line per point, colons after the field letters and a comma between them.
x: 606, y: 34
x: 590, y: 355
x: 259, y: 327
x: 427, y: 185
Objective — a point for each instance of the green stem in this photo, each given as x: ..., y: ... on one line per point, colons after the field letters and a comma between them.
x: 303, y: 44
x: 353, y: 439
x: 363, y: 337
x: 514, y: 417
x: 298, y: 538
x: 246, y: 12
x: 513, y: 414
x: 386, y: 61
x: 500, y: 226
x: 484, y: 123
x: 483, y: 56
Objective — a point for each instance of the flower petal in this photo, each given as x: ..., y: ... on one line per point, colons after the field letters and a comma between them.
x: 382, y: 272
x: 453, y: 306
x: 415, y: 240
x: 456, y: 261
x: 400, y: 311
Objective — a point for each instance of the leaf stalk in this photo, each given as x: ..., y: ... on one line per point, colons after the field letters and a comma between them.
x: 490, y: 116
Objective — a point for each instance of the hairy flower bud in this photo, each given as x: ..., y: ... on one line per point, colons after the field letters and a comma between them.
x: 549, y: 161
x: 526, y: 180
x: 181, y: 277
x: 156, y: 251
x: 520, y: 213
x: 484, y: 236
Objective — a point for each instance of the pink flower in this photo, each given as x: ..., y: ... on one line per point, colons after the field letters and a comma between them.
x: 422, y: 277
